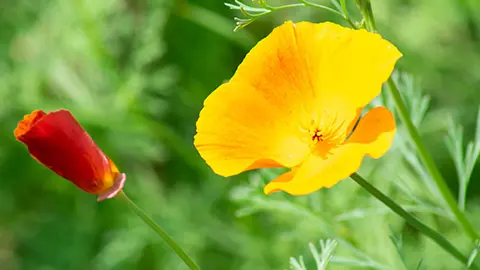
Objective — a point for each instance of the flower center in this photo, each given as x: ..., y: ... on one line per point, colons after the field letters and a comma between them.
x: 323, y: 133
x: 317, y: 136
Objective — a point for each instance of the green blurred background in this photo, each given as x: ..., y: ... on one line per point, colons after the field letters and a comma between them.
x: 135, y: 74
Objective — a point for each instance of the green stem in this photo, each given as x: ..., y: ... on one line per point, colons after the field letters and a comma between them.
x: 427, y: 231
x: 429, y: 162
x: 159, y: 230
x: 417, y: 140
x: 367, y: 13
x: 306, y: 3
x: 346, y: 14
x: 310, y: 4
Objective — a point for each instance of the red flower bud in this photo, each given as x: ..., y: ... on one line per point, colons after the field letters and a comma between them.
x: 59, y: 142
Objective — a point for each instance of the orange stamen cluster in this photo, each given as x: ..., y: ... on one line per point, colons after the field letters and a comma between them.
x: 316, y: 136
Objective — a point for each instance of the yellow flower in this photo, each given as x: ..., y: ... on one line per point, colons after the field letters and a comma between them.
x: 294, y: 102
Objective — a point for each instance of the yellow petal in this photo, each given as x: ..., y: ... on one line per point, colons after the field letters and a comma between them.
x: 373, y: 136
x: 240, y: 129
x: 375, y: 132
x: 307, y: 67
x: 347, y: 67
x: 279, y: 71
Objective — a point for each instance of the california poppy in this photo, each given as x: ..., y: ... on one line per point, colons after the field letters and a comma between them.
x: 294, y: 102
x: 59, y: 142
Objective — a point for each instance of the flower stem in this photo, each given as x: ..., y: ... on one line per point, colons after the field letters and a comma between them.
x: 159, y: 230
x: 427, y: 231
x: 344, y: 8
x: 365, y: 7
x: 310, y: 4
x: 428, y: 161
x: 425, y: 156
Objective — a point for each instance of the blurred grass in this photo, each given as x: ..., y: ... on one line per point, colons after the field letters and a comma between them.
x: 135, y: 74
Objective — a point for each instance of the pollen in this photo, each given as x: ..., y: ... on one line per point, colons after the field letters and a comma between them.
x: 317, y: 136
x: 313, y: 135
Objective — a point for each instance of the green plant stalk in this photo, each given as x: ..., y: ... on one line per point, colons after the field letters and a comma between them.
x: 159, y: 230
x: 310, y: 4
x: 427, y: 231
x: 428, y: 161
x: 417, y: 140
x: 346, y: 15
x: 365, y: 7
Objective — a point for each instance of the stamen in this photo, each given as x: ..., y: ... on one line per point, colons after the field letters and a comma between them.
x: 324, y: 129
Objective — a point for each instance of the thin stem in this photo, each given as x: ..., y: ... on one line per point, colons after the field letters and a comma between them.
x: 159, y: 230
x: 254, y: 13
x: 462, y: 192
x: 428, y: 161
x: 310, y: 4
x: 367, y: 12
x: 417, y: 140
x: 272, y: 8
x: 346, y: 15
x: 306, y: 3
x: 427, y: 231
